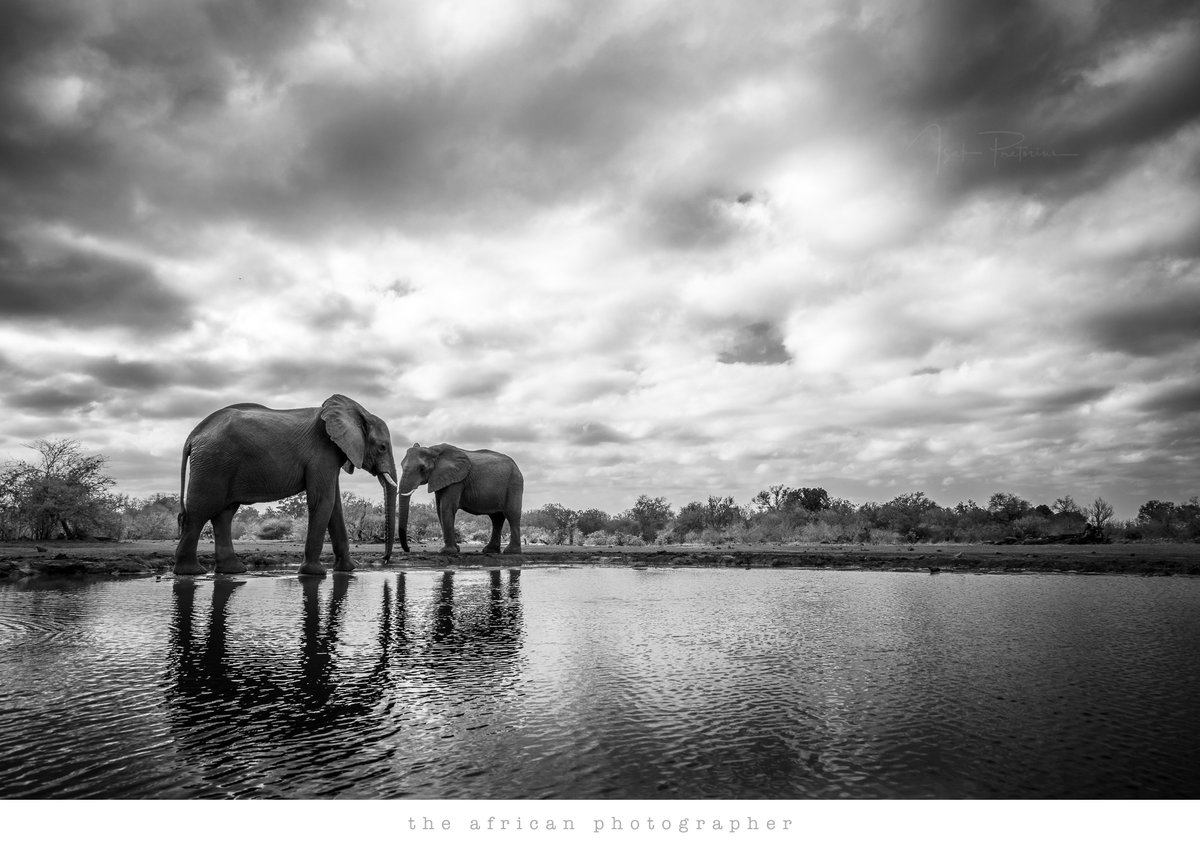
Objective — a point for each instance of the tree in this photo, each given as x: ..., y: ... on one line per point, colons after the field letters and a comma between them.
x: 690, y: 520
x: 591, y: 520
x: 66, y: 489
x: 814, y: 499
x: 1006, y: 507
x: 560, y: 521
x: 1066, y: 504
x: 774, y: 497
x: 784, y: 498
x: 649, y: 516
x: 907, y: 514
x: 1099, y: 514
x: 720, y: 513
x: 1162, y: 513
x: 293, y: 507
x: 153, y: 517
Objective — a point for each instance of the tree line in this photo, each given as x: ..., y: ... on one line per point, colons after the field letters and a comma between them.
x: 66, y: 493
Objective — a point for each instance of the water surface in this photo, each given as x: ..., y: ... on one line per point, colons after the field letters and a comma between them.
x: 587, y: 683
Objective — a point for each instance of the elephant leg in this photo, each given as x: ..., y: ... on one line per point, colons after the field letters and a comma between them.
x: 227, y: 561
x: 342, y: 562
x: 493, y: 546
x: 514, y: 533
x: 186, y: 562
x: 198, y: 512
x: 447, y: 506
x: 320, y: 513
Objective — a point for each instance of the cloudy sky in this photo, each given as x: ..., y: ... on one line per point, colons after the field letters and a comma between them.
x: 663, y: 248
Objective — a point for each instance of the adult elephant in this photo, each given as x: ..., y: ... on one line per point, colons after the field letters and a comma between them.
x: 484, y: 483
x: 247, y: 453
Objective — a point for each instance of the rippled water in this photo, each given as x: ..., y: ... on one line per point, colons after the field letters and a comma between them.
x: 602, y: 683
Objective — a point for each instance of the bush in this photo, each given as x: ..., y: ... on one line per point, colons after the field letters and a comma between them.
x: 275, y: 527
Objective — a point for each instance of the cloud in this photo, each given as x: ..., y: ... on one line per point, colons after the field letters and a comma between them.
x: 44, y: 400
x: 1148, y: 329
x: 80, y: 288
x: 492, y: 435
x: 769, y: 245
x: 592, y: 433
x: 757, y: 343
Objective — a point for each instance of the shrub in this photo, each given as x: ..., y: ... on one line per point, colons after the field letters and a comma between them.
x: 275, y: 527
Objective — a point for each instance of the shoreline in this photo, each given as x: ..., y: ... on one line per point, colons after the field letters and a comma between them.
x: 143, y: 558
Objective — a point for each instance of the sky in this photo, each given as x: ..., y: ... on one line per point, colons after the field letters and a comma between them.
x: 646, y: 248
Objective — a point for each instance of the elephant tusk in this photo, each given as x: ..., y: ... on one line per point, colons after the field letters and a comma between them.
x: 410, y: 492
x: 390, y: 482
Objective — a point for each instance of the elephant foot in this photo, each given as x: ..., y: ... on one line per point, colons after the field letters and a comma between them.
x: 490, y: 549
x: 307, y: 568
x: 344, y: 565
x: 190, y: 567
x: 230, y: 567
x: 449, y: 549
x: 512, y: 549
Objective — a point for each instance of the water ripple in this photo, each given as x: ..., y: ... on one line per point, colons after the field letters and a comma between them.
x: 602, y: 683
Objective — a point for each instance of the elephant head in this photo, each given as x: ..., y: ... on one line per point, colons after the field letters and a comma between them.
x: 364, y: 438
x: 437, y: 465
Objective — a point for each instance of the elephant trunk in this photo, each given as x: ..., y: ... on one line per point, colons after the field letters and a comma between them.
x: 389, y: 512
x: 403, y: 520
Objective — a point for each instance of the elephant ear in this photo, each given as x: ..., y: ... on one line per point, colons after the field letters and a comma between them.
x: 343, y: 419
x: 452, y: 466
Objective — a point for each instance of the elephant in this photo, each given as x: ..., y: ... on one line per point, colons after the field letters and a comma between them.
x: 480, y: 482
x: 247, y: 453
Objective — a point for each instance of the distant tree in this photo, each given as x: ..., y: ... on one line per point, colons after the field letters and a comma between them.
x: 720, y: 513
x: 690, y: 520
x: 908, y: 515
x: 151, y: 518
x: 1099, y: 513
x: 784, y: 498
x: 561, y: 522
x: 1161, y: 513
x: 774, y: 497
x: 591, y: 520
x: 65, y: 490
x: 649, y: 516
x: 1066, y: 504
x: 813, y: 499
x: 364, y: 518
x: 293, y: 507
x: 1006, y: 507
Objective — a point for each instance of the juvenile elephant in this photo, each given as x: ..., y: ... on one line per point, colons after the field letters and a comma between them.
x: 247, y: 453
x: 484, y: 483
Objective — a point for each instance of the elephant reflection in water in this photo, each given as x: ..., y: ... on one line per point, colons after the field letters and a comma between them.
x: 285, y: 725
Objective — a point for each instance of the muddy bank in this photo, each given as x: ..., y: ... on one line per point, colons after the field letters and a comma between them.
x: 141, y: 558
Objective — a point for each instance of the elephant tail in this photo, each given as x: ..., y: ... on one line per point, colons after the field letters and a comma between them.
x: 183, y: 463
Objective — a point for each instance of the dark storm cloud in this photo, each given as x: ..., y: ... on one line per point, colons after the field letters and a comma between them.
x: 759, y: 344
x: 49, y: 399
x: 118, y: 372
x: 1149, y: 329
x: 979, y: 76
x: 1062, y: 400
x: 1179, y: 400
x: 85, y: 289
x: 592, y: 433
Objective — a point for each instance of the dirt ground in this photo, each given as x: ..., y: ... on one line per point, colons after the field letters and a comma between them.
x: 154, y: 557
